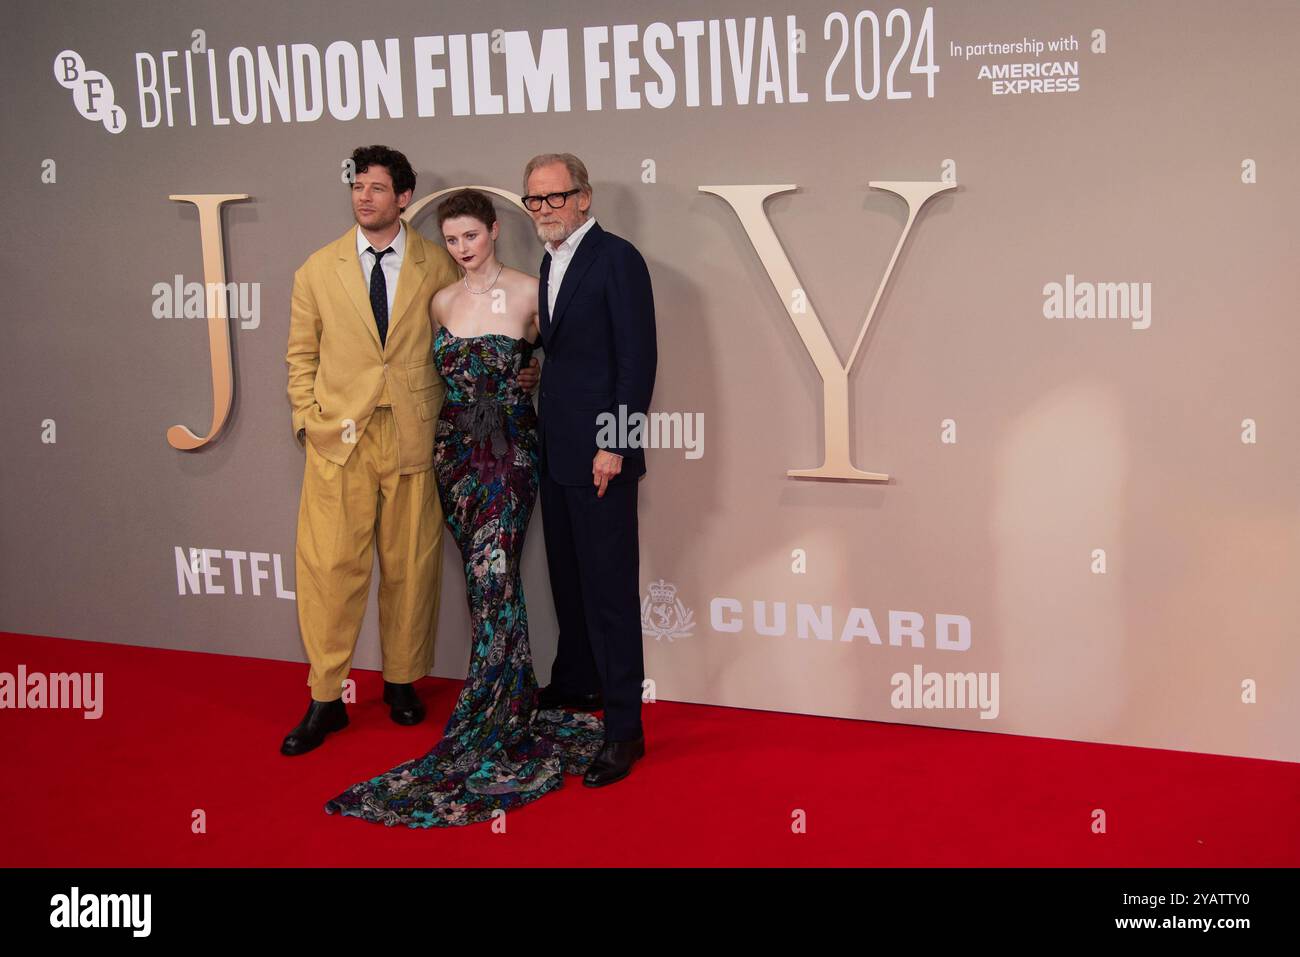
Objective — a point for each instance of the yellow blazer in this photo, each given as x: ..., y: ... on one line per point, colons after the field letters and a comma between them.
x: 337, y: 368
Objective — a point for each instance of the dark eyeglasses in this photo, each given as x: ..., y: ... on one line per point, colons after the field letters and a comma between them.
x: 553, y: 200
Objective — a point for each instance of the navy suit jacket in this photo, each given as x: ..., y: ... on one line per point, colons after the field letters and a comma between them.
x: 600, y: 355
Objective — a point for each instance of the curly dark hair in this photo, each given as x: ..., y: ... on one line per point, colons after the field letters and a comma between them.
x: 467, y: 202
x: 399, y: 168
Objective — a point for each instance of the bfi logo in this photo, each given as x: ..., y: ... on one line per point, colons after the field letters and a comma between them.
x: 92, y: 91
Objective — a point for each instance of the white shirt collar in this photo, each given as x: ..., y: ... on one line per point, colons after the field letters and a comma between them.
x: 398, y: 245
x: 575, y: 237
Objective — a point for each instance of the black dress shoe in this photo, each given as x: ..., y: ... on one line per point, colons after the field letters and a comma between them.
x: 321, y: 718
x: 614, y: 762
x: 552, y: 697
x: 407, y: 708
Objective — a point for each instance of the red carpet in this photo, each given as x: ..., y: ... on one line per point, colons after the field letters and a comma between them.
x: 182, y: 731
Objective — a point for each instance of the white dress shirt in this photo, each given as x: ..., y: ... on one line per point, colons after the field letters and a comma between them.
x: 392, y: 263
x: 561, y: 256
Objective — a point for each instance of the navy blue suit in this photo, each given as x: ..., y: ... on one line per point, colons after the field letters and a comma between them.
x: 600, y: 355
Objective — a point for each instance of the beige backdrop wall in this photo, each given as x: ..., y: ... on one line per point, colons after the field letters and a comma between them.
x: 1099, y: 514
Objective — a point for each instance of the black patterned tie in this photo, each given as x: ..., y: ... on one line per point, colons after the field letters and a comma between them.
x: 379, y: 294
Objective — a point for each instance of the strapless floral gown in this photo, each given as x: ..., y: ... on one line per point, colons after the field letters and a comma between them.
x: 497, y: 752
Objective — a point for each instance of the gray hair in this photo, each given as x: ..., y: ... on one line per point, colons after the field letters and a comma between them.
x: 576, y: 167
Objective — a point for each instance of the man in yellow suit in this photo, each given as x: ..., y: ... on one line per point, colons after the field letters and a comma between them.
x: 366, y: 397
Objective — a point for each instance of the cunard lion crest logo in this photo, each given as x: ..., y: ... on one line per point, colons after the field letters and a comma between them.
x: 663, y: 615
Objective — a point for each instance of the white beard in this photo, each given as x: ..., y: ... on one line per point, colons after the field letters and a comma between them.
x: 552, y: 234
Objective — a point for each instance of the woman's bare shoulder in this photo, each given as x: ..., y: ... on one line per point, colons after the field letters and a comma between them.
x: 446, y: 295
x: 442, y: 301
x: 519, y: 280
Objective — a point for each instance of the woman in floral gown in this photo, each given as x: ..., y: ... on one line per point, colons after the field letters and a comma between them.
x: 497, y: 751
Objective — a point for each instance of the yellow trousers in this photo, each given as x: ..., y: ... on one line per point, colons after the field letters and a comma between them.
x: 345, y: 515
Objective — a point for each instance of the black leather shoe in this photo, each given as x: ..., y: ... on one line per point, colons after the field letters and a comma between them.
x: 407, y: 708
x: 321, y: 718
x: 614, y: 762
x: 552, y: 697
